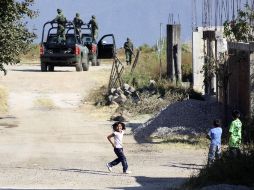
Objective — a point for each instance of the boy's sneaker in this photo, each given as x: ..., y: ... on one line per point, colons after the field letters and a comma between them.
x: 127, y: 172
x: 109, y: 167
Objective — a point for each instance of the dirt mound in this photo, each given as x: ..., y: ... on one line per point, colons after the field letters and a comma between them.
x: 189, y: 117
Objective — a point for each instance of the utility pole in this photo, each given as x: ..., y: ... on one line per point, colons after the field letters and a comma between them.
x: 160, y: 49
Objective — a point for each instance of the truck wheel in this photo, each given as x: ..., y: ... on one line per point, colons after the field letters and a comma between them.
x: 79, y: 67
x: 43, y: 67
x: 94, y: 60
x: 51, y: 68
x: 85, y: 65
x: 98, y: 62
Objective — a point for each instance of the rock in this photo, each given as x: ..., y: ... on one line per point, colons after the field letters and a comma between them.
x: 112, y: 90
x: 120, y: 99
x: 126, y: 86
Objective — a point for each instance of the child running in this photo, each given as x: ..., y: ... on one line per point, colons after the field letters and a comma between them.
x: 215, y: 146
x: 118, y: 128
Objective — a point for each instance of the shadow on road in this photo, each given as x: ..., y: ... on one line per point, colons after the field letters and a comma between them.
x: 150, y: 183
x: 185, y: 165
x: 95, y: 172
x: 38, y: 70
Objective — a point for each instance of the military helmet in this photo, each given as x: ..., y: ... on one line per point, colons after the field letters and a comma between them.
x: 77, y: 14
x: 93, y: 16
x: 128, y: 39
x: 59, y: 10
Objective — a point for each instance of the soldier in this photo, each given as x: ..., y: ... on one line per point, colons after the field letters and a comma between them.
x: 94, y: 26
x: 128, y: 47
x: 61, y: 21
x: 78, y: 22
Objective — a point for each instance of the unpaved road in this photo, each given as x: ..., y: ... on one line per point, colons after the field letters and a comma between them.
x: 63, y: 145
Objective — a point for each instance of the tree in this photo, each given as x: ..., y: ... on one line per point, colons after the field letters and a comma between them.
x: 15, y: 37
x: 241, y: 28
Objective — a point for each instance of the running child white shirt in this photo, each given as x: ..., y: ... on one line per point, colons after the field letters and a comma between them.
x: 118, y: 138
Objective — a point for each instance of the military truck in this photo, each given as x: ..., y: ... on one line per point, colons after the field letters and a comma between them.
x: 69, y: 52
x: 76, y: 50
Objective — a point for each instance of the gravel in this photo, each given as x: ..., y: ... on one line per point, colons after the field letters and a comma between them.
x: 189, y: 117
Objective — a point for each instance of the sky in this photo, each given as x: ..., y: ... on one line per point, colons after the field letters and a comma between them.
x: 139, y: 20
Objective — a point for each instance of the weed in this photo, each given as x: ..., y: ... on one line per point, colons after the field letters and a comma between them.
x: 227, y: 170
x: 32, y: 54
x: 3, y: 100
x: 98, y: 96
x: 44, y: 103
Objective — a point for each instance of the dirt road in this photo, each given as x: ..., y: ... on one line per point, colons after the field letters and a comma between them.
x: 49, y: 141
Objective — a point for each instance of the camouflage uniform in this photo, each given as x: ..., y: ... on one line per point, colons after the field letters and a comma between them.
x: 78, y: 22
x: 94, y: 26
x: 128, y: 46
x: 61, y: 21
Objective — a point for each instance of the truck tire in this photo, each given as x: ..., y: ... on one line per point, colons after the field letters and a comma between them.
x: 85, y: 65
x: 98, y: 62
x: 79, y: 66
x: 43, y: 67
x: 94, y: 60
x: 51, y: 68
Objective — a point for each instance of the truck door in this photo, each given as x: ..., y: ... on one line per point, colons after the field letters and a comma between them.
x: 106, y: 47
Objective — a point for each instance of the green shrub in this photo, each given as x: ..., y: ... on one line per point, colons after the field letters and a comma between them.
x: 227, y: 170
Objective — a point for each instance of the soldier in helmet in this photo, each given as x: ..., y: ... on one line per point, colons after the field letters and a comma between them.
x: 61, y: 21
x: 128, y: 47
x: 94, y: 27
x: 78, y: 22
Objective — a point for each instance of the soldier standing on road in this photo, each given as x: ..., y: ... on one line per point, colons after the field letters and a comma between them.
x: 61, y: 21
x: 94, y: 26
x: 78, y: 22
x: 128, y: 47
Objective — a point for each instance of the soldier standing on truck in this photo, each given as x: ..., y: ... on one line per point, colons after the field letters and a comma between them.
x: 94, y: 26
x: 61, y: 21
x: 78, y: 22
x: 128, y: 47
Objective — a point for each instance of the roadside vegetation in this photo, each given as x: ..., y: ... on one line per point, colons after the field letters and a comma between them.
x: 227, y: 170
x: 149, y: 69
x: 15, y: 37
x: 32, y: 55
x: 3, y: 100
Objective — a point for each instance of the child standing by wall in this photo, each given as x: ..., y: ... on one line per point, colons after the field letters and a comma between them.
x: 235, y: 131
x: 118, y: 133
x: 215, y: 146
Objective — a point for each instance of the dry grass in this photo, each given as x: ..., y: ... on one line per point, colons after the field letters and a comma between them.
x: 45, y: 103
x: 3, y: 100
x: 33, y: 55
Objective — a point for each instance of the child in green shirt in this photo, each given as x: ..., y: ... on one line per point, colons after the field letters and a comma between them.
x: 235, y: 132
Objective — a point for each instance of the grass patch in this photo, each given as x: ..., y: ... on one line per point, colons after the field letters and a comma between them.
x: 98, y: 96
x: 198, y: 141
x: 44, y: 103
x: 3, y: 100
x: 32, y: 55
x: 227, y: 170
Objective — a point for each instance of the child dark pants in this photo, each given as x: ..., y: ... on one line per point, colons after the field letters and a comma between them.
x: 120, y: 158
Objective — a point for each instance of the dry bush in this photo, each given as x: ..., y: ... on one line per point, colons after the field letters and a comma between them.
x: 3, y: 100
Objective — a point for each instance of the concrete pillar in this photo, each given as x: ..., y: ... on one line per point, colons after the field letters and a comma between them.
x: 198, y: 60
x: 174, y: 53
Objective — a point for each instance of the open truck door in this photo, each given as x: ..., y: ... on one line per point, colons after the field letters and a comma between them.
x: 106, y: 47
